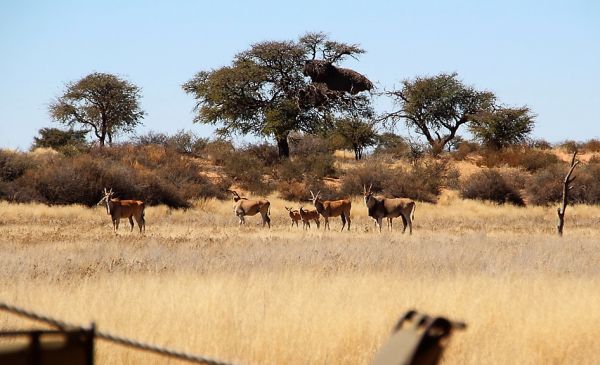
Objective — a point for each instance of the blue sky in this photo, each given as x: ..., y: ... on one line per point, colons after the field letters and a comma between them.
x: 543, y: 54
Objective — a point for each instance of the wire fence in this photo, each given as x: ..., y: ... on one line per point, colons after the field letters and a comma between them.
x: 123, y: 341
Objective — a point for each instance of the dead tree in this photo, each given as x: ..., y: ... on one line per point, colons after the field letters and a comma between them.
x: 565, y: 195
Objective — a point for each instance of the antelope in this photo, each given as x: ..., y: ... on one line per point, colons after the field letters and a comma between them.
x: 307, y: 216
x: 243, y: 207
x: 294, y: 216
x: 380, y: 207
x: 332, y: 208
x: 118, y: 209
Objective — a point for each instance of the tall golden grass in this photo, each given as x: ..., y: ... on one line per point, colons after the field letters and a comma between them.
x: 198, y: 282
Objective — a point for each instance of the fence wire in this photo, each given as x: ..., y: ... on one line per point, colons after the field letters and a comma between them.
x: 123, y: 341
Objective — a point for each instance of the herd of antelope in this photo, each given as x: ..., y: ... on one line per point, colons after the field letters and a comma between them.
x: 379, y: 207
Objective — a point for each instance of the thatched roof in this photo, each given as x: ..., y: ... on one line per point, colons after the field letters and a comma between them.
x: 336, y: 78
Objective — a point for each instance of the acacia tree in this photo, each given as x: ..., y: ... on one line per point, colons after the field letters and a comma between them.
x: 356, y: 134
x: 436, y: 107
x: 100, y: 102
x: 264, y: 91
x: 503, y: 127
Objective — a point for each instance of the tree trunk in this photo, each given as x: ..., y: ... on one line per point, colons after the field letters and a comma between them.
x: 283, y: 146
x: 565, y: 195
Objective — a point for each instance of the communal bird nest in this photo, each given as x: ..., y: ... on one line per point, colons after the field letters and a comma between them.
x: 336, y: 78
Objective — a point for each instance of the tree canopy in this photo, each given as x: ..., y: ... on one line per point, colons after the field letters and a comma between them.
x: 100, y: 102
x: 57, y: 138
x: 436, y: 107
x: 264, y: 91
x: 503, y: 126
x: 356, y: 134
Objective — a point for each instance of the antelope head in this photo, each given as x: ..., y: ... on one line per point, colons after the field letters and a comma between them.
x: 315, y: 198
x: 107, y: 196
x: 367, y: 193
x: 236, y: 196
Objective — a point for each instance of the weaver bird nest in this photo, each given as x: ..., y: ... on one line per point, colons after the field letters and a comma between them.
x: 336, y: 78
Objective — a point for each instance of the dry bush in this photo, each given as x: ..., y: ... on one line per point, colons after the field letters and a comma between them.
x: 183, y: 142
x: 218, y: 151
x: 268, y: 154
x: 569, y: 146
x: 464, y: 149
x: 593, y: 145
x: 247, y: 171
x: 529, y: 159
x: 309, y: 144
x: 313, y: 167
x: 594, y: 160
x: 368, y: 172
x: 586, y: 188
x: 489, y: 184
x: 423, y: 181
x: 13, y: 165
x: 393, y: 145
x: 80, y: 180
x: 540, y: 144
x: 546, y: 185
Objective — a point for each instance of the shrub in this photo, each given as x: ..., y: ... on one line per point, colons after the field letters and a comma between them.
x: 540, y: 144
x: 423, y: 181
x: 308, y: 144
x: 464, y: 149
x: 80, y: 180
x: 311, y: 167
x: 218, y: 151
x: 545, y: 186
x: 264, y: 152
x: 247, y: 171
x: 13, y: 165
x: 529, y: 159
x: 489, y: 184
x: 184, y: 142
x: 593, y: 145
x: 570, y: 146
x: 367, y: 173
x: 392, y: 144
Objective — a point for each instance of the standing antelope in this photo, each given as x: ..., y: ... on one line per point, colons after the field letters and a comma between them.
x: 294, y: 216
x: 243, y: 207
x: 119, y: 209
x: 332, y: 208
x: 380, y: 207
x: 307, y: 216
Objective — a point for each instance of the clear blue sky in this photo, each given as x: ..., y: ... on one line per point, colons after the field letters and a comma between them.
x: 543, y: 54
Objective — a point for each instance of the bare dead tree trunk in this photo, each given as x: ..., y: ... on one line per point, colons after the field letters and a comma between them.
x: 565, y: 195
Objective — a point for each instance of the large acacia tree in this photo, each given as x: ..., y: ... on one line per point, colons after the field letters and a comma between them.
x: 100, y: 102
x: 264, y: 92
x: 436, y: 107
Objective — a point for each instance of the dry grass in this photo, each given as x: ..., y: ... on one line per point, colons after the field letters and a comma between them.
x: 197, y: 282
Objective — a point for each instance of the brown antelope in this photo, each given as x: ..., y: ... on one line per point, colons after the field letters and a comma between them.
x: 380, y: 207
x: 294, y: 215
x: 332, y: 208
x: 307, y: 216
x: 243, y: 207
x: 118, y: 209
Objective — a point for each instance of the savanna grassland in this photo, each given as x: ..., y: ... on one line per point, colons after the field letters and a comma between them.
x: 197, y: 282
